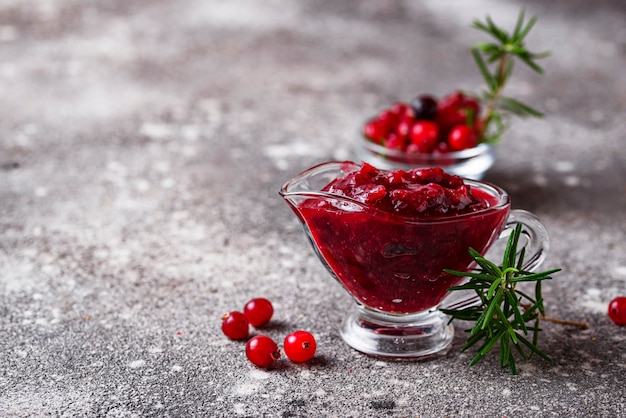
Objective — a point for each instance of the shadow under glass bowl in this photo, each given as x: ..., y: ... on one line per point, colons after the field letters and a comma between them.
x: 471, y: 163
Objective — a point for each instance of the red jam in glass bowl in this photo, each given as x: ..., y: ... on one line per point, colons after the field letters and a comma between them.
x: 387, y: 236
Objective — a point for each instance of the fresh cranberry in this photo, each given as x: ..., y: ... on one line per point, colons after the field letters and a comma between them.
x: 451, y: 101
x: 262, y: 351
x: 617, y: 310
x: 403, y: 129
x: 374, y: 130
x: 235, y: 326
x: 389, y: 119
x: 300, y: 346
x: 393, y: 141
x: 259, y: 311
x: 450, y: 117
x: 424, y: 107
x: 403, y: 112
x: 462, y: 137
x: 457, y: 109
x: 424, y: 134
x: 411, y: 127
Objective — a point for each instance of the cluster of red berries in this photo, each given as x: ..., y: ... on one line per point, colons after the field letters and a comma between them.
x: 427, y: 125
x: 617, y: 310
x: 261, y: 350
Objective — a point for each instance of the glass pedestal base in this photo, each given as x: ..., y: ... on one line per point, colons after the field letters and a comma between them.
x: 403, y: 336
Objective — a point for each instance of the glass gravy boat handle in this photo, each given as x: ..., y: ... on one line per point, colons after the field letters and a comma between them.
x: 536, y: 235
x: 534, y: 238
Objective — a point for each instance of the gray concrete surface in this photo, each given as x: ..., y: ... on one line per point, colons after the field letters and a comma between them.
x: 142, y: 145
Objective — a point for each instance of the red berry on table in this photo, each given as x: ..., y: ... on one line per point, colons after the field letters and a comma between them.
x: 424, y: 134
x: 462, y: 137
x: 300, y: 346
x: 259, y: 311
x: 262, y: 351
x: 617, y: 310
x: 235, y: 326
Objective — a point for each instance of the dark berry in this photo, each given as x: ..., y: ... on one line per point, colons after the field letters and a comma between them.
x: 424, y: 107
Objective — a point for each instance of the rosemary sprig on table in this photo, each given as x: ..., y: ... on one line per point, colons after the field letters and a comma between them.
x: 504, y: 311
x: 496, y: 60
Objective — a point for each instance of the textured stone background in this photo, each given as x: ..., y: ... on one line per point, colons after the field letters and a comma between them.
x: 142, y: 145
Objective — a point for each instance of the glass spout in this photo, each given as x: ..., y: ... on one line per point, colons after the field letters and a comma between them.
x: 309, y: 185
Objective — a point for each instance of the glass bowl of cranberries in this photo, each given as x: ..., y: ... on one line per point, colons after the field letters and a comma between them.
x: 427, y: 132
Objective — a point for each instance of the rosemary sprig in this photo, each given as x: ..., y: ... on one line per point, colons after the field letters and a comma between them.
x: 505, y: 315
x: 496, y: 60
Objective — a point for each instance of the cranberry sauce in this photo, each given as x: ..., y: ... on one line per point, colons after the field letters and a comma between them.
x: 388, y: 235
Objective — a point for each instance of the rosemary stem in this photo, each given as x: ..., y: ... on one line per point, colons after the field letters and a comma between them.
x: 579, y: 324
x: 494, y: 96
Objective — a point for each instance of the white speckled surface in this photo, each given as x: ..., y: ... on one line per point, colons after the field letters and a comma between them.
x: 142, y: 146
